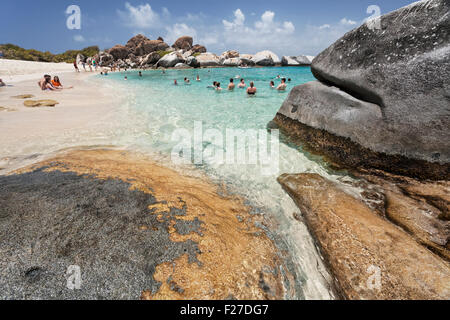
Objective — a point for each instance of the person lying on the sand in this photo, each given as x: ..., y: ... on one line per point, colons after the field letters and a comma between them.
x: 46, y: 84
x: 2, y: 84
x: 57, y: 83
x: 252, y: 89
x: 283, y: 85
x: 231, y: 86
x: 242, y: 84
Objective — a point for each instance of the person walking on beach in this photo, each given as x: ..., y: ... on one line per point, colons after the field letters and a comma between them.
x: 76, y: 66
x: 251, y: 91
x: 231, y: 86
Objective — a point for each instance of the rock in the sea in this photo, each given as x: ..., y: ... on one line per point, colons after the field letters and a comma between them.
x: 170, y: 60
x: 246, y: 59
x: 182, y: 66
x: 119, y: 52
x: 231, y: 62
x: 295, y: 61
x: 183, y: 43
x: 369, y: 257
x: 402, y: 70
x: 230, y: 54
x: 266, y: 58
x: 192, y: 62
x: 208, y: 60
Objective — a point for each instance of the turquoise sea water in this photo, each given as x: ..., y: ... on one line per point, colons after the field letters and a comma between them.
x: 155, y: 108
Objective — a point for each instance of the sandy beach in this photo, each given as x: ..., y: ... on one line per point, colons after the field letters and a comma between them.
x: 30, y: 133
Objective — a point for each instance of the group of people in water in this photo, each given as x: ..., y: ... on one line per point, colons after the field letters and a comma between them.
x: 49, y: 84
x: 251, y: 89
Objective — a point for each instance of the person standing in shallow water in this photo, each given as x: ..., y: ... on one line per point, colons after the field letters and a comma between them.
x: 251, y: 91
x: 75, y: 65
x: 242, y: 84
x: 231, y: 86
x: 283, y: 85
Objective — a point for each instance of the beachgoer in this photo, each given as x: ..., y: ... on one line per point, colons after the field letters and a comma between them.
x: 84, y: 65
x: 46, y: 84
x: 175, y: 82
x: 214, y: 85
x: 283, y: 85
x: 272, y: 84
x: 76, y: 66
x: 231, y: 86
x: 198, y: 78
x: 140, y: 74
x: 2, y: 84
x: 126, y: 78
x: 187, y: 81
x: 218, y: 88
x: 56, y: 82
x: 242, y: 84
x: 252, y: 89
x: 289, y: 80
x: 278, y: 76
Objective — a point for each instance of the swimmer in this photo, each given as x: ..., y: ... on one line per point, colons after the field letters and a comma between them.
x: 283, y: 85
x: 242, y: 84
x: 214, y: 85
x: 140, y: 74
x: 272, y: 84
x: 187, y: 81
x: 251, y: 91
x: 198, y: 78
x: 231, y: 86
x: 175, y: 82
x: 126, y: 78
x: 218, y: 88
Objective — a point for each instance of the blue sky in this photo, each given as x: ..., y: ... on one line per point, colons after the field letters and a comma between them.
x: 288, y: 27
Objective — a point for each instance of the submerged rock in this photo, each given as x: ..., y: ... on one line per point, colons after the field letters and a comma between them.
x: 369, y: 257
x: 402, y: 72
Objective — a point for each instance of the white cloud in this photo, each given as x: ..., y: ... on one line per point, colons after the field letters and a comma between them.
x: 239, y: 19
x: 347, y: 22
x: 141, y: 16
x: 79, y: 38
x: 325, y: 26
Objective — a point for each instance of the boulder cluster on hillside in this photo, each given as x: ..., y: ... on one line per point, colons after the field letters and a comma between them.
x: 141, y: 52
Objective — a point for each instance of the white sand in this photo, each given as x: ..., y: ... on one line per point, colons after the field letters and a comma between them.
x: 12, y: 71
x: 28, y: 134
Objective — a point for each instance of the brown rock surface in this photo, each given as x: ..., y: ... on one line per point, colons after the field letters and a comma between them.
x: 184, y: 43
x: 357, y: 243
x: 119, y: 52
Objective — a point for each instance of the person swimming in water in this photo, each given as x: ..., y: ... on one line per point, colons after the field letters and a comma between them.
x: 231, y: 86
x: 198, y: 78
x: 187, y: 81
x: 218, y: 88
x: 252, y: 89
x: 242, y: 84
x: 272, y: 84
x: 214, y: 85
x: 140, y: 74
x: 126, y: 78
x: 175, y: 82
x: 283, y: 85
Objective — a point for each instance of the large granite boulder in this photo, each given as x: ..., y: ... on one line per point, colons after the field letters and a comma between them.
x: 229, y: 54
x: 266, y: 58
x: 208, y: 60
x: 192, y: 62
x: 104, y: 59
x: 134, y: 42
x: 183, y: 43
x: 231, y: 62
x: 291, y: 61
x: 150, y: 46
x: 246, y: 59
x: 80, y: 58
x: 170, y: 60
x: 199, y: 49
x: 393, y: 91
x: 119, y: 52
x: 150, y: 59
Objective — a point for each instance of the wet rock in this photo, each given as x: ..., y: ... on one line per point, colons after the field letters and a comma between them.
x: 370, y: 257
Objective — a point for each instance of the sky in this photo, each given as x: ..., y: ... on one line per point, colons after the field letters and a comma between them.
x: 286, y: 27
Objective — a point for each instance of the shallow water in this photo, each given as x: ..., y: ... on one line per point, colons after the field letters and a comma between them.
x: 156, y: 108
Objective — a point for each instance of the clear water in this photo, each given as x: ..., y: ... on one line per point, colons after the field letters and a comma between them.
x: 155, y: 108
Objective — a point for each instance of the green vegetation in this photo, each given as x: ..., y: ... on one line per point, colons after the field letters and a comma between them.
x: 14, y: 52
x: 196, y: 54
x: 163, y: 53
